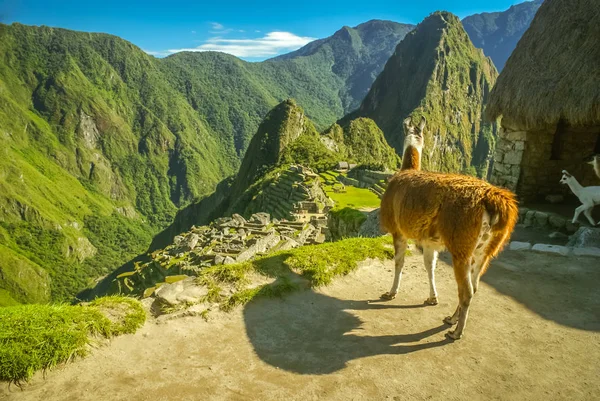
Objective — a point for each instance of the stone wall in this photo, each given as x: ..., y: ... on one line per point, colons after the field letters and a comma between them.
x: 522, y: 162
x: 227, y: 240
x: 506, y: 168
x: 295, y: 191
x: 376, y: 181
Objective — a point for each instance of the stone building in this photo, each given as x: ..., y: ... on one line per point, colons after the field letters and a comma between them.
x: 548, y: 98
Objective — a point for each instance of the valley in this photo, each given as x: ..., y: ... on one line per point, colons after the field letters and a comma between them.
x: 166, y: 220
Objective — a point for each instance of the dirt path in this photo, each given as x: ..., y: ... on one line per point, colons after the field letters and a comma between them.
x: 533, y: 334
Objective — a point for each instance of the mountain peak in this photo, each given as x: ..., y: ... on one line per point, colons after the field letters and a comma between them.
x: 498, y: 33
x: 435, y: 72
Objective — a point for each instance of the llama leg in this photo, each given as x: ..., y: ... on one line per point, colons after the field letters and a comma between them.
x: 577, y: 213
x: 451, y: 320
x: 400, y: 251
x: 430, y: 258
x: 462, y: 272
x: 588, y: 213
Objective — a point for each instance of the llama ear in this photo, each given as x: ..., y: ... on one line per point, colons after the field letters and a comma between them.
x: 407, y: 122
x: 422, y: 123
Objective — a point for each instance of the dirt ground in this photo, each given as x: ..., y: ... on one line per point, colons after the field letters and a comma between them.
x: 533, y: 334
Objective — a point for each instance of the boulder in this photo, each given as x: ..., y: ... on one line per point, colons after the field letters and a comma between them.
x: 519, y: 246
x: 553, y: 249
x: 585, y: 237
x: 260, y: 218
x: 228, y: 260
x: 183, y: 291
x: 190, y: 241
x: 371, y: 227
x: 541, y: 218
x: 241, y: 221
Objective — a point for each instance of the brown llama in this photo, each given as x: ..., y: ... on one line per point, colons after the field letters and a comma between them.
x: 469, y: 217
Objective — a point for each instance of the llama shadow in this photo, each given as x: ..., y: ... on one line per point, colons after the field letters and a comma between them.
x: 312, y: 333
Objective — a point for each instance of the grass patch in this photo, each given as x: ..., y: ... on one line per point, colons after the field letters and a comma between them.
x: 34, y: 337
x: 318, y: 264
x: 352, y: 197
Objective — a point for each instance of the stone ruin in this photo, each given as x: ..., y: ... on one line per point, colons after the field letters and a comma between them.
x: 227, y: 240
x: 294, y: 194
x: 376, y: 181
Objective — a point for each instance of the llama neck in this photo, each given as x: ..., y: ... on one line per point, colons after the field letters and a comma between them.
x: 411, y: 160
x: 575, y: 186
x: 597, y: 167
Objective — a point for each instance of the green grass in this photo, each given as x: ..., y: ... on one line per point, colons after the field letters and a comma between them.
x: 35, y: 337
x: 354, y: 197
x: 317, y: 264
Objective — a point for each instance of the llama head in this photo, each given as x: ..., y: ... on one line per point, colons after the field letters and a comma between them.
x: 414, y: 135
x: 565, y: 177
x: 594, y: 160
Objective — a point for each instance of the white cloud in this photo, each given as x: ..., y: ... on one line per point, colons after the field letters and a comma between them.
x: 271, y: 44
x: 216, y: 26
x: 157, y: 53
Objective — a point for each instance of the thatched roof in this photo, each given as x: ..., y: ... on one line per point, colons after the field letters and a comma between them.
x: 554, y: 72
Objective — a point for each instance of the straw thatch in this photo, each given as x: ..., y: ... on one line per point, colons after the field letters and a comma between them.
x: 554, y: 72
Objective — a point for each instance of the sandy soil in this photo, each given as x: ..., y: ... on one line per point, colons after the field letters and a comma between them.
x: 533, y: 334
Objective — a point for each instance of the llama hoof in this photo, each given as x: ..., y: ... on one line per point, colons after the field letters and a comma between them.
x: 431, y: 301
x: 453, y: 336
x: 448, y: 320
x: 388, y: 296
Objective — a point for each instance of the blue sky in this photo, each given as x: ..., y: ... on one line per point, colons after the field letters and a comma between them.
x: 253, y: 30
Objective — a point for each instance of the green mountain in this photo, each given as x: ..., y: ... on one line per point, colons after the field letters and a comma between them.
x: 498, y: 33
x: 355, y: 56
x: 103, y: 144
x: 438, y: 73
x: 286, y: 136
x: 328, y: 77
x: 99, y: 151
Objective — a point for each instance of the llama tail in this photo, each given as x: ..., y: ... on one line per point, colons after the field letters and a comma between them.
x: 502, y: 206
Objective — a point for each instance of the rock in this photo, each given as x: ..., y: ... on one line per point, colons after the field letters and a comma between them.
x: 219, y: 259
x: 186, y: 290
x: 513, y: 157
x: 557, y: 221
x: 586, y: 237
x: 541, y: 218
x: 371, y: 227
x: 286, y: 244
x: 516, y: 135
x: 225, y: 222
x: 557, y: 235
x: 228, y: 260
x: 571, y: 227
x: 261, y: 245
x: 555, y: 198
x: 519, y: 246
x: 528, y: 221
x: 592, y: 251
x: 553, y: 249
x: 178, y: 240
x: 241, y: 221
x: 191, y: 241
x: 260, y: 218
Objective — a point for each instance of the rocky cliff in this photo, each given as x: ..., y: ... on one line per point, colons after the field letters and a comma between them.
x: 436, y: 72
